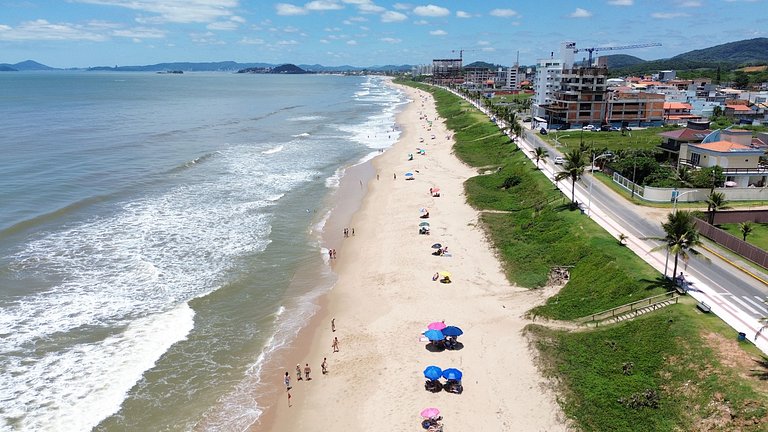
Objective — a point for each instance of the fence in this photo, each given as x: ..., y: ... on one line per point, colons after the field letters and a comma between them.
x: 629, y: 307
x: 746, y: 250
x: 627, y: 184
x: 736, y: 216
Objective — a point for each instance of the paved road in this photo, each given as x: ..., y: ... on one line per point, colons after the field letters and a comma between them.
x: 736, y: 297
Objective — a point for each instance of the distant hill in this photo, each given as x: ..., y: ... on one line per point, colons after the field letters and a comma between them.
x: 482, y: 64
x: 27, y: 65
x: 285, y: 69
x: 225, y: 66
x: 616, y: 61
x: 727, y: 56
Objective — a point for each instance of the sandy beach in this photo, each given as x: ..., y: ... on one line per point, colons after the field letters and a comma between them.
x: 385, y: 297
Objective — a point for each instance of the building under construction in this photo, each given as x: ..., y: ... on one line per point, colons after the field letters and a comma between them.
x: 447, y: 71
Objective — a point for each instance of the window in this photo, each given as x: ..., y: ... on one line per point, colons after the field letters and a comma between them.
x: 695, y: 158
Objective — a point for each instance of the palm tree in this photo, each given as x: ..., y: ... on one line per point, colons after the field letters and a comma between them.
x: 746, y: 229
x: 681, y: 235
x: 573, y: 168
x: 715, y: 201
x: 540, y: 154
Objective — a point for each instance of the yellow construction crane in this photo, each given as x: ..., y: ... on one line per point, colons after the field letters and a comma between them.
x: 462, y: 51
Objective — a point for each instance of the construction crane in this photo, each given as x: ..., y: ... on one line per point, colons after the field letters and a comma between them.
x: 462, y: 51
x: 593, y: 49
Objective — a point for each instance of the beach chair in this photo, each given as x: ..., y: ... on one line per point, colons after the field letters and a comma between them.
x: 433, y: 386
x: 453, y: 386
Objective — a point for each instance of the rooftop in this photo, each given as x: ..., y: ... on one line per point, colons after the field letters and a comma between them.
x: 726, y: 147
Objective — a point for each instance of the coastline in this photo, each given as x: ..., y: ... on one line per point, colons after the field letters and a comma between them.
x: 384, y: 297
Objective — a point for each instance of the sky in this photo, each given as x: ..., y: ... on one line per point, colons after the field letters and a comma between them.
x: 84, y: 33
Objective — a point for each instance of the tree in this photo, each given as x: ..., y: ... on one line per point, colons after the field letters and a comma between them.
x: 681, y: 235
x: 717, y: 111
x: 740, y: 80
x: 746, y: 229
x: 573, y: 169
x: 540, y: 154
x: 715, y: 201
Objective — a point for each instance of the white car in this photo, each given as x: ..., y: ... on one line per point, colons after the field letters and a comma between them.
x: 588, y: 128
x: 559, y: 160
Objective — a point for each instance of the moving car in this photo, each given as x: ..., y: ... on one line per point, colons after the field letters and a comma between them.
x: 559, y: 160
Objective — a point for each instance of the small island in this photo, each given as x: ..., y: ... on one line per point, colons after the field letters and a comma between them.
x: 286, y: 69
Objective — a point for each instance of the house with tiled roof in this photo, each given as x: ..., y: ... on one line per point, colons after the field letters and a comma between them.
x: 675, y: 112
x: 744, y: 114
x: 732, y: 150
x: 694, y: 132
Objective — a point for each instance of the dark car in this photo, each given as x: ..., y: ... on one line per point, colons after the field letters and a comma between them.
x: 543, y: 131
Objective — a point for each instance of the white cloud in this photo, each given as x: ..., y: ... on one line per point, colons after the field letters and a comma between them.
x: 290, y: 29
x: 621, y: 2
x: 179, y: 11
x: 483, y: 43
x: 431, y: 11
x: 44, y: 30
x: 421, y: 22
x: 402, y: 6
x: 668, y: 15
x: 438, y: 33
x: 488, y: 49
x: 392, y: 16
x: 324, y: 41
x: 580, y: 13
x: 691, y: 4
x: 140, y: 33
x: 351, y: 42
x: 462, y: 14
x: 358, y: 19
x: 222, y: 25
x: 503, y: 13
x: 289, y: 9
x: 287, y: 42
x: 391, y: 40
x: 251, y: 41
x: 322, y: 5
x: 370, y: 8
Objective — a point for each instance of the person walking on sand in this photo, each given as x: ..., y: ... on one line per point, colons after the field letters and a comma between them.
x: 307, y: 371
x: 324, y: 366
x: 289, y: 399
x: 287, y: 380
x: 333, y: 324
x: 335, y: 344
x: 298, y: 373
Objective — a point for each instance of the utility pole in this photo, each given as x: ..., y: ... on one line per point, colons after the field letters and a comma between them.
x: 634, y: 172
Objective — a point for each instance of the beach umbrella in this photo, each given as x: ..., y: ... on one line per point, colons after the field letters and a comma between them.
x: 430, y: 412
x: 433, y: 372
x: 425, y: 228
x: 444, y: 273
x: 452, y: 374
x: 424, y: 224
x: 437, y: 325
x: 435, y: 190
x: 409, y: 174
x: 423, y: 210
x: 434, y: 335
x: 452, y: 331
x: 437, y: 246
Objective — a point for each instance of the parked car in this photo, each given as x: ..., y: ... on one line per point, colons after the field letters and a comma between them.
x: 543, y: 131
x: 559, y: 160
x: 588, y: 127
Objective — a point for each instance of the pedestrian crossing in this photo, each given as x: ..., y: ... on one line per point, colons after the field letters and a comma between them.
x: 755, y: 305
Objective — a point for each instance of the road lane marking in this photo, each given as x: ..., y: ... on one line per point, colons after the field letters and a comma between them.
x: 746, y: 305
x: 759, y: 306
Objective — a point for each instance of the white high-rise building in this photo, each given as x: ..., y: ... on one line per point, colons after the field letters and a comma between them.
x: 548, y: 77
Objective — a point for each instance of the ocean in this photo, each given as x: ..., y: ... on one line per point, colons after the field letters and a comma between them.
x: 161, y: 237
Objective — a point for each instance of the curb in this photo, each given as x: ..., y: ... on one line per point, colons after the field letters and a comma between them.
x: 745, y: 271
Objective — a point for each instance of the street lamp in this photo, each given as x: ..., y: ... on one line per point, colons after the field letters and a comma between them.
x: 556, y: 139
x: 592, y: 170
x: 674, y: 210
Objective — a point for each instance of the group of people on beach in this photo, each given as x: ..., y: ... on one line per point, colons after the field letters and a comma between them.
x: 307, y: 370
x: 347, y: 231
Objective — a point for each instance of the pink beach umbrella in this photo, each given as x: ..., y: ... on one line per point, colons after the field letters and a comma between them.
x: 438, y: 325
x: 430, y: 412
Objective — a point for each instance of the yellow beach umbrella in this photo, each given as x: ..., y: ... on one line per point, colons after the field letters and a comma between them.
x: 445, y: 274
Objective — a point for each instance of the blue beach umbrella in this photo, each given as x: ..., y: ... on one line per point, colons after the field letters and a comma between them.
x: 433, y: 372
x: 452, y: 374
x: 434, y: 335
x: 409, y: 174
x: 452, y: 331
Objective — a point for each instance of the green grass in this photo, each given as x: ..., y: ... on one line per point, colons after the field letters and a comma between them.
x: 512, y: 97
x: 758, y: 236
x: 538, y: 231
x: 614, y: 141
x: 669, y: 356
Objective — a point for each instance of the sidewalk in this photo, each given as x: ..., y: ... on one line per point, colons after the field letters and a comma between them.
x: 714, y: 297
